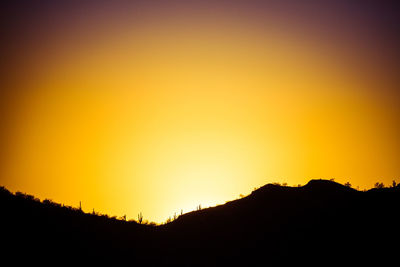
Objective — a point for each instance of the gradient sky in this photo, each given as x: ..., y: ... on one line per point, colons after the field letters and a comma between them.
x: 158, y: 106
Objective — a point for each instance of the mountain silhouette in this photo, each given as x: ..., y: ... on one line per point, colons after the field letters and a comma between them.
x: 322, y: 220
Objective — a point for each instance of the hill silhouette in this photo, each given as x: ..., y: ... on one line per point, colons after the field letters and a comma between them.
x: 321, y: 220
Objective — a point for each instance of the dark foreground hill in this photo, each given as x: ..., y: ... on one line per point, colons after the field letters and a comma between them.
x: 321, y: 222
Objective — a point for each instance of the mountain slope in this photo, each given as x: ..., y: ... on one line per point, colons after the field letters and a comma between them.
x: 274, y: 223
x: 322, y: 218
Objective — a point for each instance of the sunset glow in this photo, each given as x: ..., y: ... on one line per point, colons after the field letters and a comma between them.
x: 157, y: 109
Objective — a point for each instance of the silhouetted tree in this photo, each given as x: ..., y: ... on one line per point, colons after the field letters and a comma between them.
x: 379, y: 185
x: 347, y: 184
x: 394, y: 183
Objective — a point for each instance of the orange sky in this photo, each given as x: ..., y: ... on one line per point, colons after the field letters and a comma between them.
x: 164, y: 113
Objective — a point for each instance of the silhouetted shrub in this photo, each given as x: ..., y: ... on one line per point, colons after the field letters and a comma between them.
x: 4, y: 190
x: 20, y: 194
x: 379, y: 185
x: 70, y: 208
x: 47, y: 201
x: 347, y: 184
x: 26, y: 196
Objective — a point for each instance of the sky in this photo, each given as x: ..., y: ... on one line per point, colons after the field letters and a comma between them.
x: 159, y: 106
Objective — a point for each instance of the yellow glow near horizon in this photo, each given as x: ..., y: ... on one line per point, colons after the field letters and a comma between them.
x: 167, y: 120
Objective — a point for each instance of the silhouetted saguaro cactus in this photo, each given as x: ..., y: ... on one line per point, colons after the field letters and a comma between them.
x: 140, y: 217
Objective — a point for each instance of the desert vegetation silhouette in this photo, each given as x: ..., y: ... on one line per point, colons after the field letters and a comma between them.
x: 322, y: 219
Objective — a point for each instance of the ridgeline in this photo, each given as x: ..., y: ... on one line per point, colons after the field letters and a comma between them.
x: 322, y: 220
